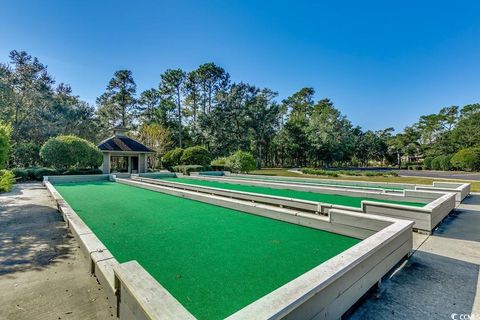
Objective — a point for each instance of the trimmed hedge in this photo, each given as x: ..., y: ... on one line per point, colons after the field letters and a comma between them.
x: 336, y: 173
x: 467, y: 159
x: 241, y: 161
x: 37, y: 173
x: 172, y: 157
x: 441, y: 163
x: 427, y: 163
x: 186, y: 169
x: 66, y: 152
x: 319, y: 172
x: 197, y: 155
x: 219, y: 164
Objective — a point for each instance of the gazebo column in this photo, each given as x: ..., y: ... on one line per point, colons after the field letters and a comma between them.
x: 129, y: 164
x: 106, y: 162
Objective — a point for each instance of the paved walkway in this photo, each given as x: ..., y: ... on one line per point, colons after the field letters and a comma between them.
x: 440, y: 279
x: 43, y: 274
x: 474, y: 176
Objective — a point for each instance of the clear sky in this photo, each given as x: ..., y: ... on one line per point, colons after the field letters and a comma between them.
x: 383, y: 64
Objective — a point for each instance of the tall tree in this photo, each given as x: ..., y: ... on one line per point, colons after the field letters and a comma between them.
x: 263, y: 116
x: 171, y: 85
x: 192, y: 91
x: 148, y: 102
x: 117, y: 106
x: 299, y: 107
x: 212, y: 79
x: 330, y: 133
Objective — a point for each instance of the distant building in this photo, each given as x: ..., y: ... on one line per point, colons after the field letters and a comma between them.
x: 123, y: 154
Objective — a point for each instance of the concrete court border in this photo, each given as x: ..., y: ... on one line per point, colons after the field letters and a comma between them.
x: 462, y: 190
x: 328, y: 290
x: 426, y: 218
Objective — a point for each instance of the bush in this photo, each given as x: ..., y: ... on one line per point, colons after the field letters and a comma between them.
x: 25, y: 155
x: 427, y: 163
x: 241, y: 161
x: 197, y: 155
x: 39, y: 173
x: 445, y: 163
x: 320, y: 172
x: 5, y: 132
x: 441, y: 163
x: 435, y: 165
x: 467, y: 159
x: 186, y: 169
x: 7, y: 180
x: 218, y: 164
x: 172, y: 157
x: 20, y: 174
x: 82, y: 171
x: 65, y: 152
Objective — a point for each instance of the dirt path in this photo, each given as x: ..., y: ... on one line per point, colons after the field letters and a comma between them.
x: 43, y: 274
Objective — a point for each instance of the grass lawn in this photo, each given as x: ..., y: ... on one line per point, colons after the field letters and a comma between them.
x: 285, y: 173
x: 213, y: 260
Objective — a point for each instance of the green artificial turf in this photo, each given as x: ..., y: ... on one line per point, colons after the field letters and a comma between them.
x: 213, y: 260
x: 313, y: 196
x: 314, y: 182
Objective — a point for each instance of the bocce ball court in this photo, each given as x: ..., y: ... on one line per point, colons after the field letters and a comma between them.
x: 336, y: 199
x: 218, y: 262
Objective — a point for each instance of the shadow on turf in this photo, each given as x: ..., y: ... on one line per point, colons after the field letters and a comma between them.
x: 32, y: 237
x: 429, y: 286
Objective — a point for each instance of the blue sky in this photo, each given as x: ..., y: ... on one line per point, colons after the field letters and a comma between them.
x: 383, y: 63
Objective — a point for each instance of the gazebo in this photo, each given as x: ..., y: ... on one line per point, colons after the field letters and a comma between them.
x: 123, y: 154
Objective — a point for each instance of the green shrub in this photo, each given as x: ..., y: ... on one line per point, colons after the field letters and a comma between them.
x: 172, y: 158
x: 82, y: 171
x: 20, y: 174
x: 25, y: 155
x: 436, y: 163
x: 197, y: 155
x: 445, y: 163
x: 65, y: 152
x: 31, y: 172
x: 467, y: 159
x: 5, y: 132
x: 441, y: 163
x: 186, y: 169
x: 7, y: 180
x: 427, y: 163
x: 218, y: 164
x: 39, y: 173
x: 241, y: 161
x: 319, y: 172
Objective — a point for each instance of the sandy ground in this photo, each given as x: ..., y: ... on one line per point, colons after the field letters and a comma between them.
x: 441, y: 279
x: 43, y: 274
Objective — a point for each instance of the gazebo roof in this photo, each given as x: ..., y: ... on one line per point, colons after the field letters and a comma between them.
x: 120, y: 142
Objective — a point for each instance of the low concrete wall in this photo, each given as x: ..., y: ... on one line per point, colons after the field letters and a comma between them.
x: 76, y: 178
x: 461, y: 189
x: 327, y: 291
x: 331, y: 288
x: 426, y: 218
x: 334, y: 182
x: 142, y: 297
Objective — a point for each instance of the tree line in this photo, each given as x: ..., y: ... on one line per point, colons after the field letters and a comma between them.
x: 204, y: 107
